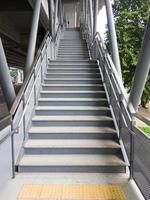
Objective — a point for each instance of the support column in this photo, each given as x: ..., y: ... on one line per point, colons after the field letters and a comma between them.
x: 33, y: 36
x: 113, y: 37
x: 5, y: 79
x: 142, y: 70
x: 56, y: 12
x: 51, y: 18
x: 86, y: 6
x: 91, y: 16
x: 95, y: 17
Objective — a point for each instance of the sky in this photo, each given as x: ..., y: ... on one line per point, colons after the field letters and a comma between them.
x: 102, y: 21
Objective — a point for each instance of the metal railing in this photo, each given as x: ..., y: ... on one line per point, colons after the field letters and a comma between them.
x: 135, y: 144
x: 23, y: 107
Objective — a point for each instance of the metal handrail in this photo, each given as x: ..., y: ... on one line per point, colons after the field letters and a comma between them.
x: 27, y: 79
x: 116, y: 75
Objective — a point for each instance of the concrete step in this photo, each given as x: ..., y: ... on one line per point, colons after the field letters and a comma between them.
x: 67, y: 62
x: 72, y: 75
x: 72, y: 120
x: 72, y: 110
x: 72, y: 70
x: 70, y: 132
x: 74, y: 51
x: 68, y: 54
x: 72, y: 42
x: 72, y: 163
x: 72, y: 81
x: 72, y: 59
x: 72, y: 46
x: 73, y: 65
x: 72, y: 102
x: 72, y: 87
x: 34, y: 147
x: 73, y: 94
x: 77, y: 54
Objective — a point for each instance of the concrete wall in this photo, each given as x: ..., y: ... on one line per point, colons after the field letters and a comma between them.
x: 70, y: 14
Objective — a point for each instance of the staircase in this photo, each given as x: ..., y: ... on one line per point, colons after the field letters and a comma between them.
x: 72, y: 129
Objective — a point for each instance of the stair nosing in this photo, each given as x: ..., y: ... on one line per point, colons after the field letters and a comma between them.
x: 72, y: 160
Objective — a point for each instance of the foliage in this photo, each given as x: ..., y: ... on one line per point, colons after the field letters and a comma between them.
x: 131, y: 19
x: 146, y: 129
x: 13, y: 73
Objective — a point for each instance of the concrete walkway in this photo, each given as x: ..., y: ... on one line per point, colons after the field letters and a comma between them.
x: 13, y: 187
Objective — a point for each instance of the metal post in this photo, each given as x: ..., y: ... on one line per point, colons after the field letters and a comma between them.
x: 142, y: 70
x: 91, y: 16
x: 95, y: 17
x: 5, y: 79
x: 33, y: 36
x: 56, y: 11
x: 51, y: 18
x: 113, y: 37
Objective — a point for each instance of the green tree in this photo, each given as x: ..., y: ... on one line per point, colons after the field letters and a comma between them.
x: 13, y: 73
x: 131, y: 18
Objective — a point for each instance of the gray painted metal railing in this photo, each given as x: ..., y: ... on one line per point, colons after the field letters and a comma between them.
x: 15, y: 126
x: 135, y: 144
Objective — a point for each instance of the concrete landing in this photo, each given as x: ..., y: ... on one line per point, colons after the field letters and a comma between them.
x: 14, y: 186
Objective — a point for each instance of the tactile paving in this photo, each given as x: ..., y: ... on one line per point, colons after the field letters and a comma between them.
x: 71, y: 192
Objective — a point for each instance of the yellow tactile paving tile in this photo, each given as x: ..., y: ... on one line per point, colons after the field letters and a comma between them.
x: 71, y: 192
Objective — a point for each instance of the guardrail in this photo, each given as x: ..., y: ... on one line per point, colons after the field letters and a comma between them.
x: 135, y: 144
x: 21, y: 112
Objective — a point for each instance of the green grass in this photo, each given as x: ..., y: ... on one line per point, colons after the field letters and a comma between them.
x: 146, y: 129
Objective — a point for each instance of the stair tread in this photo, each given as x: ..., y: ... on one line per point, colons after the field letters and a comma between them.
x: 47, y: 73
x: 68, y: 92
x: 73, y: 68
x: 84, y: 143
x: 72, y: 108
x: 70, y: 85
x: 72, y: 129
x: 73, y: 79
x: 71, y: 118
x: 72, y: 99
x: 71, y: 160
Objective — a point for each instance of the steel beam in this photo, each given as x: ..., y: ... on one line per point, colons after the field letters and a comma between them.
x: 113, y: 37
x: 142, y: 70
x: 95, y: 17
x: 56, y: 13
x: 33, y: 36
x: 91, y: 16
x: 5, y: 79
x: 51, y: 18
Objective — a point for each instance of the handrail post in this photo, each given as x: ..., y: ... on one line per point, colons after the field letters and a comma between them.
x: 33, y: 36
x: 113, y: 37
x: 142, y: 70
x: 51, y: 18
x: 5, y: 78
x: 91, y: 16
